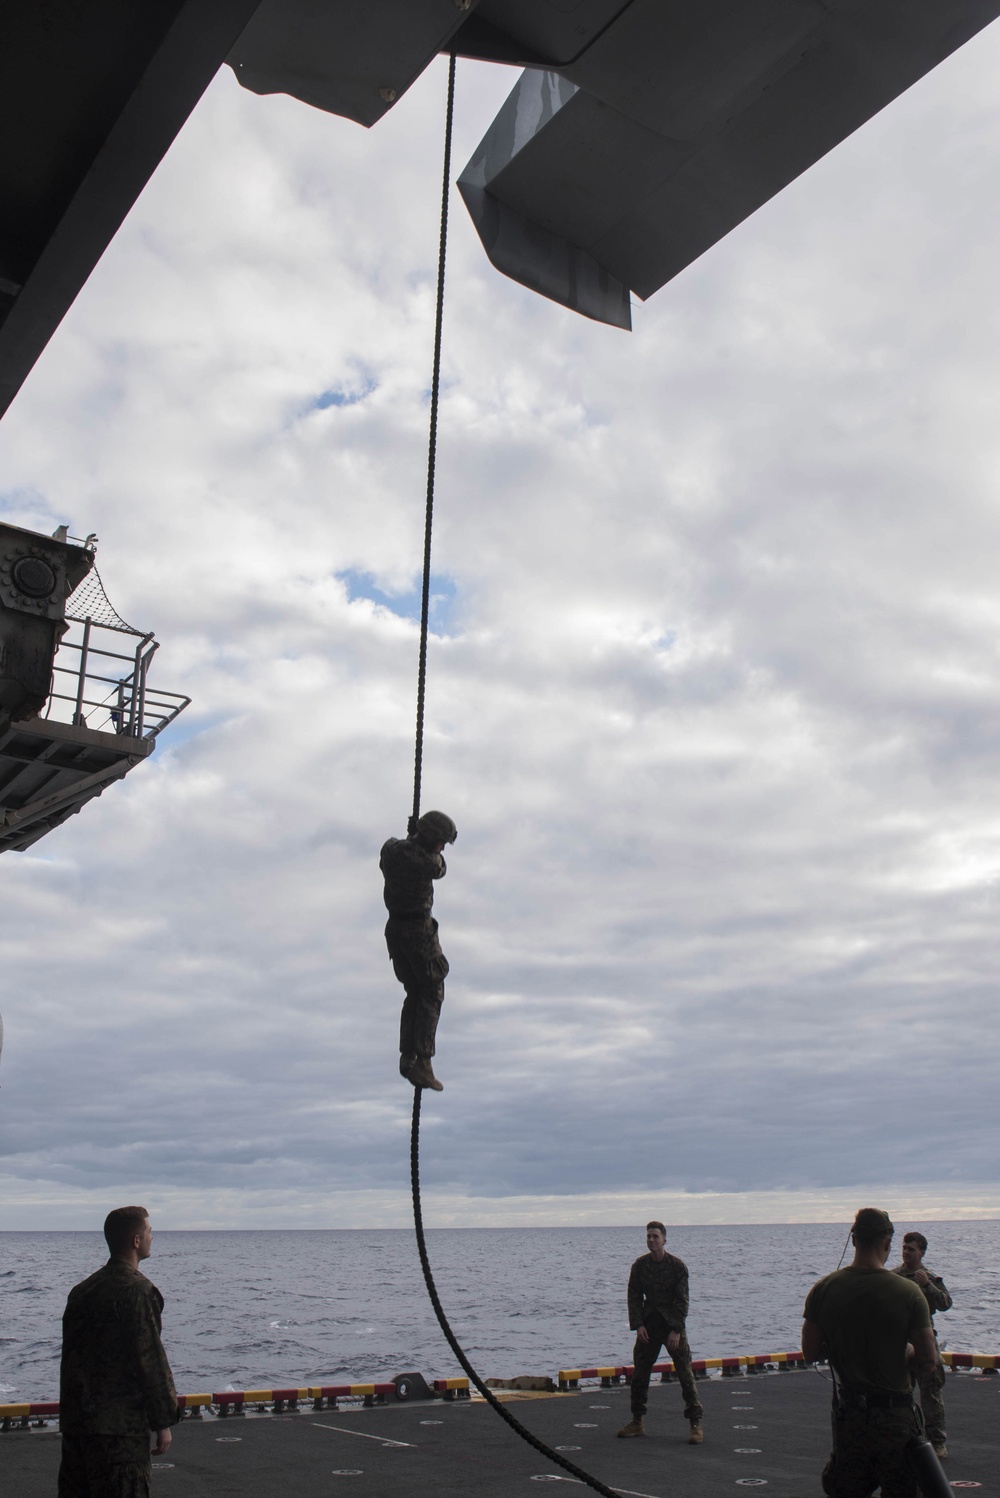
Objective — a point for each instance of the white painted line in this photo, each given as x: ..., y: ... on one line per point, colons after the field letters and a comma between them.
x: 362, y: 1433
x: 556, y: 1477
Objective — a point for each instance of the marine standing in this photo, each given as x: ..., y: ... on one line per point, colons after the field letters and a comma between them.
x: 410, y: 865
x: 862, y: 1318
x: 657, y: 1313
x: 115, y: 1384
x: 937, y: 1297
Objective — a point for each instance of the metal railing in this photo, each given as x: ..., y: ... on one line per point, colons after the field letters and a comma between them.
x: 90, y: 691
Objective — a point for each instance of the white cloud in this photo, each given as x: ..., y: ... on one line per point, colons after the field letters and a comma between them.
x: 715, y: 710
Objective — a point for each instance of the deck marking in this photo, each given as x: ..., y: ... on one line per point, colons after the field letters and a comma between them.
x: 555, y: 1477
x: 363, y: 1434
x: 747, y: 1450
x: 347, y: 1471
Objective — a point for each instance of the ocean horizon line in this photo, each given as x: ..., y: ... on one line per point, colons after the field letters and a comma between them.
x: 493, y: 1228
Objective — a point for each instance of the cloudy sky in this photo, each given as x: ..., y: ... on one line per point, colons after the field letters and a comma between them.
x: 714, y: 697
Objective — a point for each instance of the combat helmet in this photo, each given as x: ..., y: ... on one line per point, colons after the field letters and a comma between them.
x: 436, y: 827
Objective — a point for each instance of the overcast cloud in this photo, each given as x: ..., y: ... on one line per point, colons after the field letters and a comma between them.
x: 714, y: 697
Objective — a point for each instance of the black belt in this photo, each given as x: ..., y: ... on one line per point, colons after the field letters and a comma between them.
x: 879, y: 1398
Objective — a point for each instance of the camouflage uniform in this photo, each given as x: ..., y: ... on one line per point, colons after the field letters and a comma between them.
x: 411, y: 936
x: 937, y: 1298
x: 115, y: 1385
x: 869, y: 1448
x: 658, y: 1300
x: 873, y: 1412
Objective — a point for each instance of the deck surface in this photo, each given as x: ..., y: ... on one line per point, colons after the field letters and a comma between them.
x: 771, y: 1430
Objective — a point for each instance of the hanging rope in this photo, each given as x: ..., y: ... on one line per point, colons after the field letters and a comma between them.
x: 432, y: 448
x: 502, y: 1411
x: 525, y: 1434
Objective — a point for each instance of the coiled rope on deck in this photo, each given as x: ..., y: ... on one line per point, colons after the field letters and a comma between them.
x: 522, y: 1431
x: 502, y: 1411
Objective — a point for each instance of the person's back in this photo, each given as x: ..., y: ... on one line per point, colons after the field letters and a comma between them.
x: 863, y: 1319
x: 867, y: 1317
x: 409, y: 869
x: 111, y: 1337
x: 115, y: 1384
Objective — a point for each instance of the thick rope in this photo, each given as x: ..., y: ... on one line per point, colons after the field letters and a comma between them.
x: 502, y: 1411
x: 418, y: 753
x: 516, y: 1425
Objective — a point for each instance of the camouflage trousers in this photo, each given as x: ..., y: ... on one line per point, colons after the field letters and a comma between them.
x: 869, y: 1450
x: 644, y: 1355
x: 932, y: 1404
x: 421, y: 967
x: 105, y: 1466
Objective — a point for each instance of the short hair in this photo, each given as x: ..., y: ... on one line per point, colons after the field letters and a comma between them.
x: 871, y: 1226
x: 122, y: 1225
x: 918, y: 1239
x: 659, y: 1225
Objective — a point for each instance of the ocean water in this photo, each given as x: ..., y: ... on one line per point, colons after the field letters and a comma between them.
x: 266, y: 1309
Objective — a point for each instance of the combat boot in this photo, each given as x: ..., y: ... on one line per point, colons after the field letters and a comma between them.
x: 421, y: 1074
x: 940, y: 1449
x: 634, y: 1427
x: 697, y: 1434
x: 406, y: 1064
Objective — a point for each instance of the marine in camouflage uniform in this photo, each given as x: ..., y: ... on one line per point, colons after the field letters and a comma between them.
x: 115, y: 1384
x: 410, y: 866
x: 862, y: 1318
x: 936, y: 1294
x: 657, y: 1311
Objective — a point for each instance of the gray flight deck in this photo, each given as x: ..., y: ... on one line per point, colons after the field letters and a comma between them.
x: 766, y: 1431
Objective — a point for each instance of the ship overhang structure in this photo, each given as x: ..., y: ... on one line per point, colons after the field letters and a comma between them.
x: 640, y: 134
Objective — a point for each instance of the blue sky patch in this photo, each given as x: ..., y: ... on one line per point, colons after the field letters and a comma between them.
x: 345, y: 397
x: 443, y: 595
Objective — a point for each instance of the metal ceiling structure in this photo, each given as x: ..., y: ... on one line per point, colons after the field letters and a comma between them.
x: 639, y: 135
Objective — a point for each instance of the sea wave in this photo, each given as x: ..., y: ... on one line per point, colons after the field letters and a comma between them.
x: 266, y: 1309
